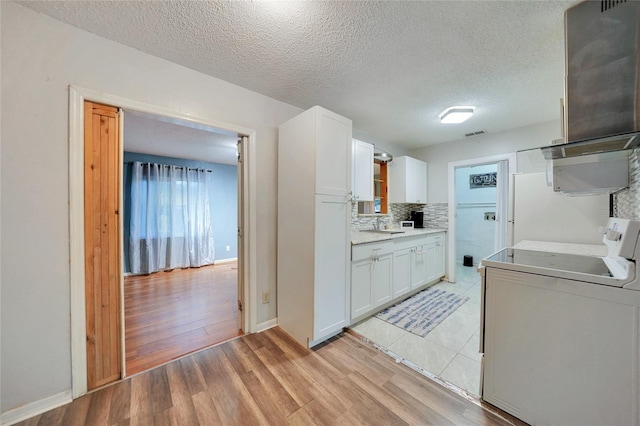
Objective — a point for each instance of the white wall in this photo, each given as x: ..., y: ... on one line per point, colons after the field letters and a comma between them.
x: 439, y: 156
x: 40, y: 59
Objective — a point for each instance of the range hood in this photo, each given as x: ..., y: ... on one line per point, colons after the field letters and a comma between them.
x: 591, y: 146
x: 602, y: 99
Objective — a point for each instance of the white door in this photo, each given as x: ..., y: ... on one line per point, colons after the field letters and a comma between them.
x: 382, y: 278
x: 419, y: 262
x: 401, y: 272
x: 362, y: 170
x: 361, y: 294
x: 333, y: 153
x: 420, y: 179
x: 331, y: 297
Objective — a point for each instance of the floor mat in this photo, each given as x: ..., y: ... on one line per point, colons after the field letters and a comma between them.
x: 422, y: 312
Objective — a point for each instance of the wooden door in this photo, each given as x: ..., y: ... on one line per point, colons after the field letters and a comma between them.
x: 102, y: 243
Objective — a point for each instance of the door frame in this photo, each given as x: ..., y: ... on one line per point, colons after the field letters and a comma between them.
x: 77, y: 96
x: 502, y: 199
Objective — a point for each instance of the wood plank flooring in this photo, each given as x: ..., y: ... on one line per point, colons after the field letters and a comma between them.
x: 171, y: 314
x: 269, y: 379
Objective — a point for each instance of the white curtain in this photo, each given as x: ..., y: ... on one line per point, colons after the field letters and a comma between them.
x: 170, y: 218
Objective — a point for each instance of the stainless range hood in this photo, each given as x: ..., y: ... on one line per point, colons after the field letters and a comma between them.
x: 592, y: 146
x: 602, y: 100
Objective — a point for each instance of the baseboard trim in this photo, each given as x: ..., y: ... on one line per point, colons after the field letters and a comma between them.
x: 231, y: 259
x: 266, y: 325
x: 32, y: 409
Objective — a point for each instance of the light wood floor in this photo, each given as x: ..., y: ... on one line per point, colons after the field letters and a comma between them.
x: 170, y: 314
x: 270, y: 379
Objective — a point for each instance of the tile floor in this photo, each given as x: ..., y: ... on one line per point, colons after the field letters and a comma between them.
x: 449, y: 351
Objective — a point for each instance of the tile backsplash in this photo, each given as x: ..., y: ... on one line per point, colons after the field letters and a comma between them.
x: 435, y: 215
x: 627, y: 201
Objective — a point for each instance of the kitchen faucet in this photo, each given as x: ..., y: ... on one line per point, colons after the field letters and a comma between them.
x: 377, y: 224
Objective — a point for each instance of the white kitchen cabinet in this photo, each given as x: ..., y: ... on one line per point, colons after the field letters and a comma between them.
x: 419, y: 262
x: 401, y: 272
x: 435, y: 257
x: 362, y: 170
x: 371, y: 276
x: 314, y: 215
x: 361, y: 290
x: 407, y: 180
x: 383, y: 272
x: 382, y: 279
x: 422, y: 261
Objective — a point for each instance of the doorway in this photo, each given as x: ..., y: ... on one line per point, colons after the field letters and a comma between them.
x: 245, y: 231
x: 478, y: 201
x: 180, y: 240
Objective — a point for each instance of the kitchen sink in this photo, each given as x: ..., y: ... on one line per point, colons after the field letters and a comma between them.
x: 384, y: 231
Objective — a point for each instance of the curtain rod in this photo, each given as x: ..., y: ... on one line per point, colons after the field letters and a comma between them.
x: 168, y: 165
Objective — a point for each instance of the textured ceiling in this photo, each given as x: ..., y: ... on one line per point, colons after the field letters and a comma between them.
x: 149, y: 134
x: 391, y: 67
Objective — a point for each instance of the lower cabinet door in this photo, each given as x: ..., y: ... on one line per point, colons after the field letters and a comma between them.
x: 401, y: 272
x: 382, y: 278
x: 430, y: 262
x: 419, y: 262
x: 361, y: 294
x: 439, y: 266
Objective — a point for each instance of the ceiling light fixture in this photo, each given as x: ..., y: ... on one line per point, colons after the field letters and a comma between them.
x: 456, y: 114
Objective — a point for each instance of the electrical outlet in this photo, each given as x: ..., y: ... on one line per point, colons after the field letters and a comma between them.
x: 228, y: 248
x: 265, y: 297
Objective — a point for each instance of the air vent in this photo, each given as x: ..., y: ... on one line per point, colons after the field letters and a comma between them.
x: 479, y: 132
x: 609, y: 4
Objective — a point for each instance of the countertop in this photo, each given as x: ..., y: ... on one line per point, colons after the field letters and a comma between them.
x: 363, y: 237
x: 566, y: 248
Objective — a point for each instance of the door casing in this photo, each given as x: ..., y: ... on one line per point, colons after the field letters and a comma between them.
x: 77, y: 96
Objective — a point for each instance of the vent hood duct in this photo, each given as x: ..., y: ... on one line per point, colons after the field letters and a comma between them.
x: 602, y: 104
x: 380, y: 156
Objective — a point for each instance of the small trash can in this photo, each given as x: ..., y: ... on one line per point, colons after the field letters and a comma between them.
x: 468, y: 260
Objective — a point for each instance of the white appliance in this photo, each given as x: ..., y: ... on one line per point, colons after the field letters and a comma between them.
x: 560, y: 333
x: 538, y: 213
x: 591, y: 174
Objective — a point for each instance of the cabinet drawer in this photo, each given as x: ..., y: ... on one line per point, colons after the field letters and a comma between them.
x: 435, y: 238
x: 408, y: 242
x: 366, y: 251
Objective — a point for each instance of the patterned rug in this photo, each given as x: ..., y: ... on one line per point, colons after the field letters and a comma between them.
x: 421, y: 313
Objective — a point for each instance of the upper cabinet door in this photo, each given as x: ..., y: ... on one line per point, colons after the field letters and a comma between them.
x: 407, y: 181
x: 362, y: 170
x: 333, y: 153
x: 420, y: 179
